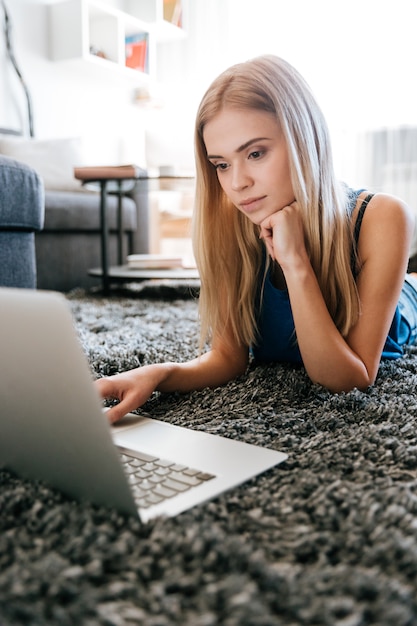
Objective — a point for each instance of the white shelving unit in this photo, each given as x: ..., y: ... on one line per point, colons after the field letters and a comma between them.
x: 163, y: 14
x: 94, y: 32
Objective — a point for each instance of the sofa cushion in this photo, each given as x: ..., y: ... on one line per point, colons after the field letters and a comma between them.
x: 72, y: 211
x: 21, y: 196
x: 53, y: 159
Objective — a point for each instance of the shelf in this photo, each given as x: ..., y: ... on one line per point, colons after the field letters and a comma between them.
x: 91, y: 31
x: 165, y: 16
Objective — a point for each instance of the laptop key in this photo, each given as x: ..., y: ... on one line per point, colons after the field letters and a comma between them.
x: 128, y: 469
x: 141, y: 473
x: 136, y: 462
x: 189, y: 471
x: 149, y: 467
x: 164, y: 491
x: 142, y: 503
x: 164, y: 463
x: 156, y: 479
x: 154, y: 498
x: 132, y: 479
x: 175, y: 485
x: 178, y: 468
x: 146, y: 484
x: 205, y: 476
x: 162, y: 471
x: 138, y: 492
x: 192, y: 481
x: 142, y: 456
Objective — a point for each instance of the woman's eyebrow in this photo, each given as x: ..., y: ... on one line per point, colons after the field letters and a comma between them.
x: 240, y: 148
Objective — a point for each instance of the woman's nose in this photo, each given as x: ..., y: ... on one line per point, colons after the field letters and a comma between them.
x: 240, y: 179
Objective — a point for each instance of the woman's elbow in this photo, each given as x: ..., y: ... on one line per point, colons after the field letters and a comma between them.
x: 344, y: 384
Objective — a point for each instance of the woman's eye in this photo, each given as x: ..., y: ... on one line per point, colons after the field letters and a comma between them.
x: 220, y: 166
x: 256, y: 154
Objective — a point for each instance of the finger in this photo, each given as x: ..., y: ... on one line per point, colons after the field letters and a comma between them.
x: 266, y: 235
x: 265, y: 227
x: 105, y: 387
x: 116, y: 412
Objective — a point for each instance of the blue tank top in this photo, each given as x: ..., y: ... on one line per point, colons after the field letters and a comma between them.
x: 276, y: 329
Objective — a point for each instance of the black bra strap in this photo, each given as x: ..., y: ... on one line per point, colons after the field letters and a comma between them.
x: 359, y: 219
x: 356, y: 232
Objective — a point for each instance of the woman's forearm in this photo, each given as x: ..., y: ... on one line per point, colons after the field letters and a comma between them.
x: 327, y: 357
x: 211, y: 369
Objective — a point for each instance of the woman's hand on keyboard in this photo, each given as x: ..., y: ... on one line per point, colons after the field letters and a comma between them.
x: 131, y: 389
x: 215, y: 367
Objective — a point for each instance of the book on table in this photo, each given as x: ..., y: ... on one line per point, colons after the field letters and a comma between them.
x: 158, y: 262
x: 103, y: 172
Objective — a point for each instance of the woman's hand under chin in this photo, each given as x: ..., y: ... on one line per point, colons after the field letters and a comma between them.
x: 283, y: 234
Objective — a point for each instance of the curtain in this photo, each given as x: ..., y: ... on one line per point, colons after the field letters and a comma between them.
x: 387, y: 162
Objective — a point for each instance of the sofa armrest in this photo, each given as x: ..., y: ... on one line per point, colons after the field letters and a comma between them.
x: 22, y: 197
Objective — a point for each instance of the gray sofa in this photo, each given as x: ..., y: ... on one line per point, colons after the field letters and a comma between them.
x: 21, y: 215
x: 69, y: 244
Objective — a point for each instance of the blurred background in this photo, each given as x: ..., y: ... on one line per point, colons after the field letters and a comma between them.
x: 359, y: 58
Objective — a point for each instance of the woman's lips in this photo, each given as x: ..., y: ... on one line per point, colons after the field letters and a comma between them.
x: 251, y: 204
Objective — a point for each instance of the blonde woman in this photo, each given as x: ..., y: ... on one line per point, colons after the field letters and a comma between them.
x: 295, y: 266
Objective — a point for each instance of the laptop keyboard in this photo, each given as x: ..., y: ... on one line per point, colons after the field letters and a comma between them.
x: 153, y: 480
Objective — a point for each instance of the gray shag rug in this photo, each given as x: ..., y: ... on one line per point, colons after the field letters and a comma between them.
x: 327, y: 538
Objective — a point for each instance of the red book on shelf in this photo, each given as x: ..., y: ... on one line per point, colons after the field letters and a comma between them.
x: 136, y: 52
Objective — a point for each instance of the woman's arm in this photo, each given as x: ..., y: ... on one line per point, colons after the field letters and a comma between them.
x: 335, y: 362
x: 225, y: 361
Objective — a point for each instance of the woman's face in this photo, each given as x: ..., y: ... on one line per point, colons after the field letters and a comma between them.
x: 250, y: 155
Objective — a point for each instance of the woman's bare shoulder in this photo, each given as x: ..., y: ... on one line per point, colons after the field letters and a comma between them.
x: 388, y: 207
x: 387, y: 227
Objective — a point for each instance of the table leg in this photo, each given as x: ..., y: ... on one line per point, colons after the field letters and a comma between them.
x: 104, y: 237
x: 120, y: 222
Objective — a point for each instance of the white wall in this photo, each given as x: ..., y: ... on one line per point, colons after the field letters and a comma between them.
x: 359, y: 56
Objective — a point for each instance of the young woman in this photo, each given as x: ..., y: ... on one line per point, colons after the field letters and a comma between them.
x: 294, y: 265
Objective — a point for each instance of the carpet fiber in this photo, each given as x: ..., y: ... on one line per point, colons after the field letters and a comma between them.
x: 328, y: 537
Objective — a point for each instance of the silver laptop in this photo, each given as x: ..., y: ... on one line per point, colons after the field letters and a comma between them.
x: 52, y: 425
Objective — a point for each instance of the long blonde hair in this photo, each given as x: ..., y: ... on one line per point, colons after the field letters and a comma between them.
x: 226, y: 244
